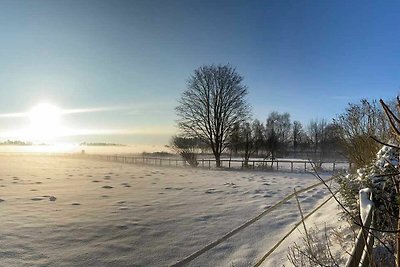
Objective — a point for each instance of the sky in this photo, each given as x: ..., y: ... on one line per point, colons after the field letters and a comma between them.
x: 124, y: 64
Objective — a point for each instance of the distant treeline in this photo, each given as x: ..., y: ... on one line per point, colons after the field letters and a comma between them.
x: 99, y: 144
x: 15, y: 143
x: 157, y: 154
x: 278, y: 136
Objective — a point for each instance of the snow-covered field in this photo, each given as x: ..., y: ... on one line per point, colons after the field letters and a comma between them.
x: 77, y: 212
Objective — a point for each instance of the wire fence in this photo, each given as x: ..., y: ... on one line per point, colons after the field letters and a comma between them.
x: 235, y: 164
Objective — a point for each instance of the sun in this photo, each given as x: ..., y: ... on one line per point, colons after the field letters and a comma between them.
x: 45, y: 122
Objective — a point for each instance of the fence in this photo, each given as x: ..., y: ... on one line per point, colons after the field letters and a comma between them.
x: 257, y: 164
x: 362, y: 251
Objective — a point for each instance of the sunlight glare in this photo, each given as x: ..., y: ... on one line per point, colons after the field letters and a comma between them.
x: 45, y: 122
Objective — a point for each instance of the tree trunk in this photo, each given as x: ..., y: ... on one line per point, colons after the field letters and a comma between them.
x: 217, y: 160
x: 246, y: 161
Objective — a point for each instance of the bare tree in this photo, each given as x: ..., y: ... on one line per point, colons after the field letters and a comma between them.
x: 316, y: 131
x: 186, y: 147
x: 357, y: 124
x: 234, y: 140
x: 277, y: 132
x: 212, y: 104
x: 247, y: 144
x: 296, y: 134
x: 259, y: 139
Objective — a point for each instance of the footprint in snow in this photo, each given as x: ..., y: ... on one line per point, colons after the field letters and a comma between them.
x: 212, y: 191
x: 107, y: 187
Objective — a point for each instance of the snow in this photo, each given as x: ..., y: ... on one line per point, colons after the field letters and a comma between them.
x: 386, y: 157
x: 365, y: 203
x: 76, y: 212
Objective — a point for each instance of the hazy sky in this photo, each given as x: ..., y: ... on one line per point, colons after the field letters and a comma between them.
x: 309, y: 58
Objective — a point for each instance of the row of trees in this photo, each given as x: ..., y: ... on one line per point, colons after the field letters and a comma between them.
x: 214, y: 116
x: 278, y: 136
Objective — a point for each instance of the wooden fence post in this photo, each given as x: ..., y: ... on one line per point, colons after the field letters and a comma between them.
x: 361, y: 252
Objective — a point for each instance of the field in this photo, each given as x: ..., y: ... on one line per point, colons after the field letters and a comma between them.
x: 80, y: 212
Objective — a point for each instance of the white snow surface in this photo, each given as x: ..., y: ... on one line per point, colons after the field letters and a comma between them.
x: 365, y: 203
x: 76, y: 212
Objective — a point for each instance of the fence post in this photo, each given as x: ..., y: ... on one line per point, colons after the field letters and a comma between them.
x: 253, y: 164
x: 229, y: 165
x: 334, y: 166
x: 209, y: 164
x: 202, y: 163
x: 291, y: 166
x: 305, y: 166
x: 277, y: 165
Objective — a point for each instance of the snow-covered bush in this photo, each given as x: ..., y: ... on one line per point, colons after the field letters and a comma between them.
x: 379, y: 176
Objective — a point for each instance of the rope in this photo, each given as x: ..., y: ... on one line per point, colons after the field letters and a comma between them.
x: 291, y: 231
x: 241, y: 227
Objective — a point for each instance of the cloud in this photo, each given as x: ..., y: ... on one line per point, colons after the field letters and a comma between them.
x: 90, y: 110
x: 130, y: 109
x: 14, y: 115
x: 163, y: 130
